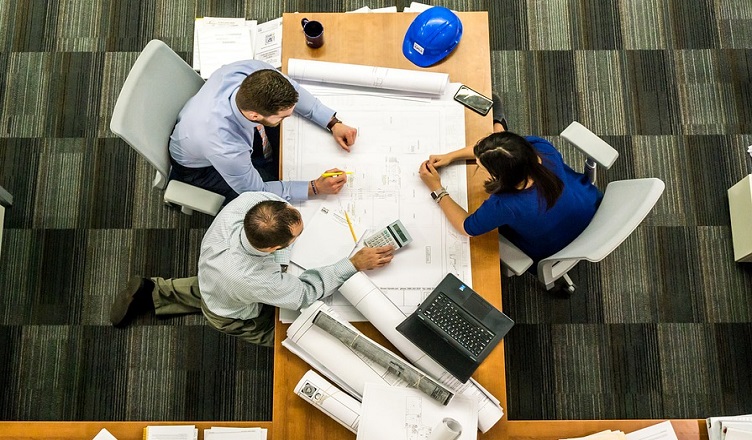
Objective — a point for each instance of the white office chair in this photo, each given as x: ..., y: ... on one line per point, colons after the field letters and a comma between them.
x: 157, y: 88
x: 625, y: 204
x: 5, y: 200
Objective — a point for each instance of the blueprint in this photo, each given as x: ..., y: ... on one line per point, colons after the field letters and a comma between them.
x: 395, y: 135
x: 407, y: 414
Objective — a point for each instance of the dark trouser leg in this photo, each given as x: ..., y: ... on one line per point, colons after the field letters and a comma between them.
x: 207, y: 178
x: 259, y: 330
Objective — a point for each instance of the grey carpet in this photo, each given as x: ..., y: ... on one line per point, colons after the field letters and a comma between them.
x: 661, y: 328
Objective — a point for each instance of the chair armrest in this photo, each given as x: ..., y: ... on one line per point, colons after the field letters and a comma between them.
x: 193, y: 197
x: 6, y: 198
x: 515, y: 261
x: 2, y: 219
x: 590, y: 144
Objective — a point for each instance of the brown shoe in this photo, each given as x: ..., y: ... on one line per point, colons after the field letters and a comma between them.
x: 134, y: 298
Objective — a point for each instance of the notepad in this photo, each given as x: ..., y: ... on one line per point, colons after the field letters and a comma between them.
x: 326, y: 239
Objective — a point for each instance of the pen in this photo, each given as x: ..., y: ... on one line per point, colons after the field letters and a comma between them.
x: 336, y: 173
x: 349, y: 223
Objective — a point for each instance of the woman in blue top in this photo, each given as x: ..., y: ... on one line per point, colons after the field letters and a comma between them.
x: 538, y: 202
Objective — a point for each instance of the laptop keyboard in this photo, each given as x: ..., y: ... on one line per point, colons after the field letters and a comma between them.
x: 445, y: 314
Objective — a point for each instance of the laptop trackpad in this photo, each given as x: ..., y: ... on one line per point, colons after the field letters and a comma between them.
x: 476, y: 307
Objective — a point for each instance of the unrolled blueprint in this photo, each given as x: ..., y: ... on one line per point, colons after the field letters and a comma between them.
x: 395, y: 135
x: 404, y: 414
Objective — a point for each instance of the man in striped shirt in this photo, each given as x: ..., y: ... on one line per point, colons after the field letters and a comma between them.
x: 241, y: 276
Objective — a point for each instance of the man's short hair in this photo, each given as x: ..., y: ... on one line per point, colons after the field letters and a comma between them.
x: 269, y: 223
x: 266, y: 92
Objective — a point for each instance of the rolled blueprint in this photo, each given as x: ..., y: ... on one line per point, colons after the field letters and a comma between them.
x: 335, y: 360
x: 385, y: 316
x: 448, y: 429
x: 329, y: 399
x: 432, y: 83
x: 373, y: 351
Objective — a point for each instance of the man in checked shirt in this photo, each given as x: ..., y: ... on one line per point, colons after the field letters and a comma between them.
x: 240, y: 276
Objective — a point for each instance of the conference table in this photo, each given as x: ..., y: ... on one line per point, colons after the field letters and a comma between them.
x: 376, y: 39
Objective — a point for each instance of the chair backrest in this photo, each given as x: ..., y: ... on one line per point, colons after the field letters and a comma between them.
x: 157, y: 88
x: 625, y: 205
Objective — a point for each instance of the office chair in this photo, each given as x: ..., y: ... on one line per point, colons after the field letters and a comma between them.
x: 158, y: 86
x: 625, y: 204
x: 5, y: 200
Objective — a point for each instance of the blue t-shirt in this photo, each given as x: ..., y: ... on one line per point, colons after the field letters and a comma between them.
x: 522, y: 216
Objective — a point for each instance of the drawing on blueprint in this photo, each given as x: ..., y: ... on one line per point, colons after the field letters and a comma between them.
x: 394, y: 137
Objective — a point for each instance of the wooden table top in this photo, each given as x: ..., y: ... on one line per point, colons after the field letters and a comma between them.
x: 376, y: 39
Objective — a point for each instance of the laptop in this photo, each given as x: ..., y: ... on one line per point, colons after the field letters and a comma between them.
x: 456, y: 327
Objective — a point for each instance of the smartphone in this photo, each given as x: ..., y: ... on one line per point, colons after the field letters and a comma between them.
x: 473, y: 100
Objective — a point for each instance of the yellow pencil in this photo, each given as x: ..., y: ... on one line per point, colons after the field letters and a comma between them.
x: 336, y: 173
x: 352, y: 231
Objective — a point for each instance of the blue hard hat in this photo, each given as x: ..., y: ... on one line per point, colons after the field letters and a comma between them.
x: 432, y: 36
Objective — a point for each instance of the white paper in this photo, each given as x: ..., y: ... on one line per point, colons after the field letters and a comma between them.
x: 394, y: 137
x: 360, y: 291
x: 732, y: 433
x: 326, y: 238
x: 405, y: 413
x: 269, y: 42
x: 222, y: 41
x: 417, y: 7
x: 104, y: 434
x: 447, y: 429
x: 431, y: 83
x: 328, y: 399
x: 171, y: 432
x: 233, y: 433
x: 714, y: 424
x: 660, y: 431
x: 734, y: 425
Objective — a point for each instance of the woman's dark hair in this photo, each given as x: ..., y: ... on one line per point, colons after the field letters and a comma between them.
x: 510, y: 159
x: 269, y: 223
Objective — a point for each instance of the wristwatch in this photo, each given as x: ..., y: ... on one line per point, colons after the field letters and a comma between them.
x: 334, y: 121
x: 438, y: 194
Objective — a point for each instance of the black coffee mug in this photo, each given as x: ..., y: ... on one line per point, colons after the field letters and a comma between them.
x: 314, y: 33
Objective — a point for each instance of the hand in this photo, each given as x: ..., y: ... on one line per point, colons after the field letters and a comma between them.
x: 370, y: 258
x: 331, y: 185
x: 430, y: 176
x: 439, y: 160
x: 344, y: 135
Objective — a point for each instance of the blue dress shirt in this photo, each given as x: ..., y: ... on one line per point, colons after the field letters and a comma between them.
x: 211, y: 131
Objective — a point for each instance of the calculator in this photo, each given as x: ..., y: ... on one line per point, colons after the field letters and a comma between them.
x: 393, y: 234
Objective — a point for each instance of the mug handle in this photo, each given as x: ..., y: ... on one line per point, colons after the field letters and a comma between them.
x: 303, y: 22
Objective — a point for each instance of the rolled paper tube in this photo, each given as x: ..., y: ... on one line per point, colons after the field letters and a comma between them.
x: 447, y: 429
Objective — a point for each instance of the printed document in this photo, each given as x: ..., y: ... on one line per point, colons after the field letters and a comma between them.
x: 395, y: 135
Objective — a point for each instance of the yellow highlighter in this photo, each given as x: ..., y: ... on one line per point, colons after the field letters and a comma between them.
x: 352, y: 231
x: 336, y: 173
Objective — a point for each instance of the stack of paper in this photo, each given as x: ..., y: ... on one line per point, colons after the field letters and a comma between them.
x: 603, y: 435
x: 172, y: 432
x: 219, y: 41
x: 730, y: 427
x: 660, y: 431
x: 218, y: 433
